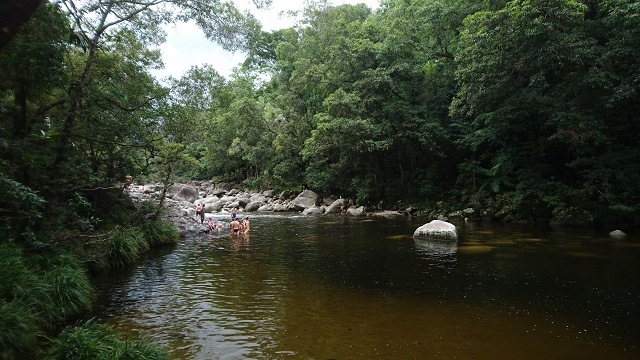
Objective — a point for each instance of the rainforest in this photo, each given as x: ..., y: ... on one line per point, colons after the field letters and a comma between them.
x: 528, y: 110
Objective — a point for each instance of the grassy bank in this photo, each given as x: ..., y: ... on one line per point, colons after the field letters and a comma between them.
x: 46, y: 286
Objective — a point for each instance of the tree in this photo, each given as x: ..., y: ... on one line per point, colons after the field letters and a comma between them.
x: 14, y: 15
x: 534, y: 97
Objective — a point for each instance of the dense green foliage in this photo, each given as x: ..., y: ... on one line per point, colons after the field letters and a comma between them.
x: 79, y: 111
x: 526, y: 109
x: 101, y: 342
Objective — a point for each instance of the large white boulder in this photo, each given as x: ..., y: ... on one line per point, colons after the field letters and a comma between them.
x: 182, y: 192
x: 437, y: 229
x: 304, y: 200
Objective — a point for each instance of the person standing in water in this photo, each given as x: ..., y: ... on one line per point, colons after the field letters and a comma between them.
x: 235, y: 226
x: 246, y: 225
x: 234, y: 213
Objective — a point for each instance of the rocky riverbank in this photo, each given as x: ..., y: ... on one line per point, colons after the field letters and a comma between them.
x: 182, y: 198
x: 181, y: 201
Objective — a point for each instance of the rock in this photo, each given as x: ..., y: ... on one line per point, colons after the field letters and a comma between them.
x: 437, y: 229
x: 243, y: 201
x: 213, y: 207
x: 356, y: 211
x: 258, y: 197
x: 228, y: 199
x: 265, y: 208
x: 254, y: 206
x: 207, y: 200
x: 285, y: 195
x: 388, y: 214
x: 327, y: 201
x: 181, y: 192
x: 218, y: 192
x: 150, y: 188
x: 233, y: 192
x: 304, y: 200
x: 412, y: 211
x: 268, y: 193
x: 279, y: 208
x: 335, y: 206
x: 617, y: 234
x: 314, y: 210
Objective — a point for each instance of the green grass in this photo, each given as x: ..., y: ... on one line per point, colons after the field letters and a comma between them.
x: 160, y: 233
x: 94, y: 341
x: 43, y: 289
x: 19, y: 330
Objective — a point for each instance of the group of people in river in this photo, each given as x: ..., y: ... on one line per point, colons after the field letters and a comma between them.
x: 236, y: 226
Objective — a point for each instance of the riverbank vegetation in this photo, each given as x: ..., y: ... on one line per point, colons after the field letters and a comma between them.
x: 526, y: 109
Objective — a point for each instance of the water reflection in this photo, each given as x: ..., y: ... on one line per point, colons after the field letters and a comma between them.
x: 339, y: 287
x: 435, y: 248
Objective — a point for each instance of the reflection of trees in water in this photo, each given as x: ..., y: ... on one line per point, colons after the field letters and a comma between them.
x: 303, y: 278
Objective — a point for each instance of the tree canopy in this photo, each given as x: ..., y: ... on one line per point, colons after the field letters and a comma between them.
x: 519, y: 107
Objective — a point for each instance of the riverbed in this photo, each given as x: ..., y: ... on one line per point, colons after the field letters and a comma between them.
x: 343, y: 287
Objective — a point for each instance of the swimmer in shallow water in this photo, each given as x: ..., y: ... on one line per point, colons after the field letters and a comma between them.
x: 235, y: 226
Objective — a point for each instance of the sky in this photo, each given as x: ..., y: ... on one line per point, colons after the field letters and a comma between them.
x: 186, y: 45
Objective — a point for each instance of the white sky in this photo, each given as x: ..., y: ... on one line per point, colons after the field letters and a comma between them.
x: 186, y: 45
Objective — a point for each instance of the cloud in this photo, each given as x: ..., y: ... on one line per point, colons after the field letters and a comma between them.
x: 186, y: 45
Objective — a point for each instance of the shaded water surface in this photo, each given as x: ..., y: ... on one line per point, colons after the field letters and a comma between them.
x: 339, y: 287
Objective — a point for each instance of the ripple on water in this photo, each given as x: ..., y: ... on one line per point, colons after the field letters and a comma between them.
x: 342, y: 288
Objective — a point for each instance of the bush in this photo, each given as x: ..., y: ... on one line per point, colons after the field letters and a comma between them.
x: 19, y: 331
x: 126, y: 246
x: 36, y: 293
x: 158, y: 233
x: 93, y: 341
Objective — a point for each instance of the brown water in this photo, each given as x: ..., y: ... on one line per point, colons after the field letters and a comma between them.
x: 339, y: 287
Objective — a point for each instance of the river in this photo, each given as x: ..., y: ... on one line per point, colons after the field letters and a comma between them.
x: 342, y: 287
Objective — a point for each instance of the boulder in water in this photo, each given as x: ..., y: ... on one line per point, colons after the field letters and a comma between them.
x: 437, y: 229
